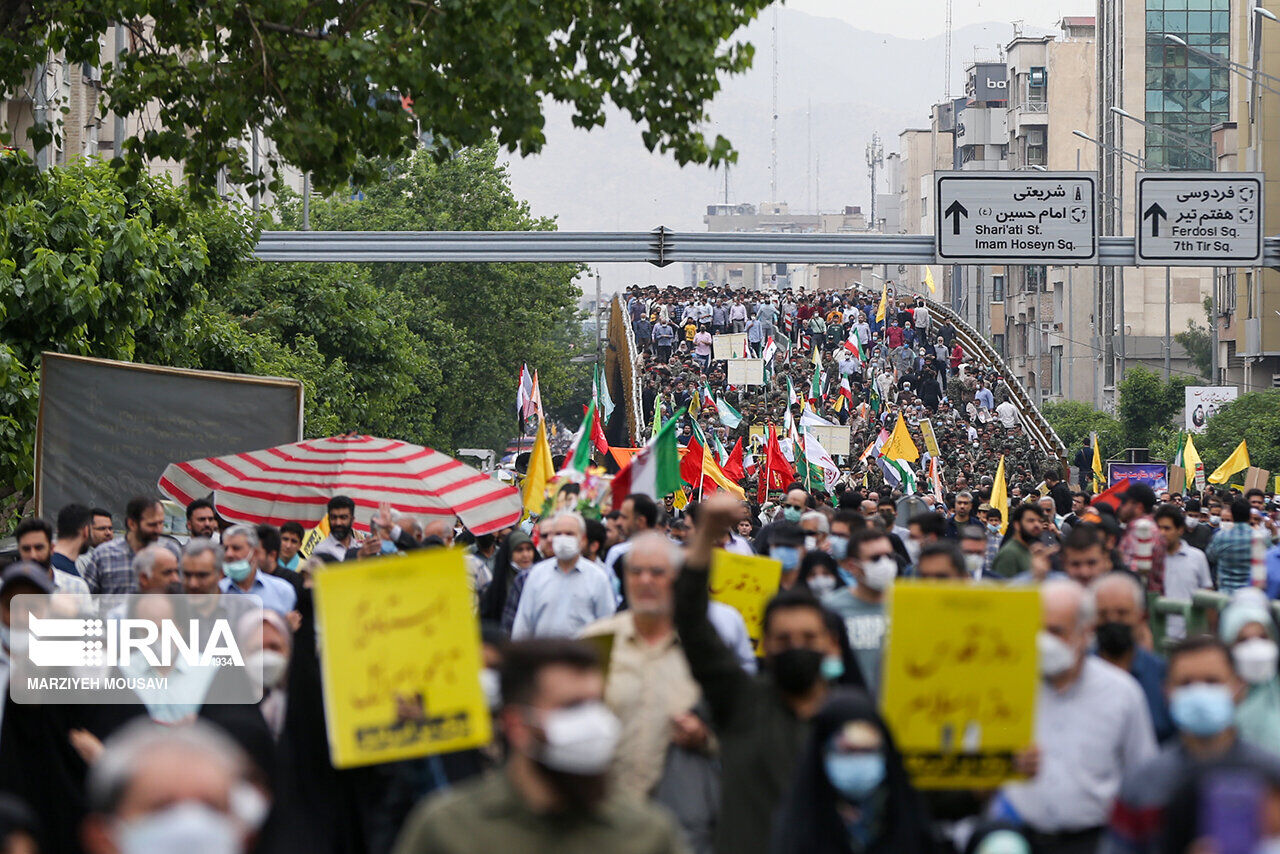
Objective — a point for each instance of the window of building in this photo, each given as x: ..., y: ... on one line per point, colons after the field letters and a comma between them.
x: 997, y: 288
x: 1248, y: 295
x: 997, y: 341
x: 1037, y: 279
x: 1186, y: 92
x: 1055, y: 370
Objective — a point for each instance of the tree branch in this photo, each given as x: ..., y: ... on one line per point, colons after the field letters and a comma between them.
x: 288, y: 30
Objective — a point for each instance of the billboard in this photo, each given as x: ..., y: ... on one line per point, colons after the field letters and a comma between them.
x: 106, y: 430
x: 1155, y: 475
x: 1203, y: 401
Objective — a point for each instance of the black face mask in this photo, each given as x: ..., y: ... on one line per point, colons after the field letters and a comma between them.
x: 796, y: 670
x: 1114, y: 639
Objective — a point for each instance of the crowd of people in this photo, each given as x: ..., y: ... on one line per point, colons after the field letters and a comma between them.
x: 690, y: 737
x: 907, y: 362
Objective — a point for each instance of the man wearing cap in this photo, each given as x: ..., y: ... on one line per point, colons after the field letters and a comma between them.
x: 1137, y: 503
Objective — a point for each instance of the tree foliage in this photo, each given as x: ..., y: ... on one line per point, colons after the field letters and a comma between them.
x: 1198, y: 342
x: 1149, y: 405
x: 93, y: 266
x: 336, y: 82
x: 1254, y: 417
x: 1074, y: 421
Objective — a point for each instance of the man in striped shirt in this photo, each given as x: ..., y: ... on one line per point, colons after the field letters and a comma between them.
x: 1229, y: 551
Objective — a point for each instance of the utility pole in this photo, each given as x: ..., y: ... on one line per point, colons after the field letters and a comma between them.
x: 598, y: 315
x: 773, y: 146
x: 40, y: 112
x: 875, y: 159
x: 946, y: 62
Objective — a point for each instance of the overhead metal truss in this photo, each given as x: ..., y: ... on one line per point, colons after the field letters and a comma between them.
x: 660, y: 247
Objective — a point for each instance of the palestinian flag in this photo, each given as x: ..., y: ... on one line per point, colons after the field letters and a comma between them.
x: 770, y: 350
x: 898, y: 474
x: 655, y: 470
x: 729, y: 416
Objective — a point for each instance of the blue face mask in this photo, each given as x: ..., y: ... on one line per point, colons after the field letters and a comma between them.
x: 839, y: 547
x: 1201, y: 709
x: 388, y: 547
x: 789, y: 555
x: 791, y: 514
x: 237, y: 570
x: 855, y: 775
x: 832, y: 668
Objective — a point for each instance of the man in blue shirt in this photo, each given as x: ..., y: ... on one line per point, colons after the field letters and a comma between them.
x: 239, y: 544
x: 567, y: 592
x: 1230, y: 552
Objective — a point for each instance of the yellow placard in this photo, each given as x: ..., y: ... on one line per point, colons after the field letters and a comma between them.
x: 930, y: 440
x: 747, y: 583
x: 960, y: 678
x: 400, y: 658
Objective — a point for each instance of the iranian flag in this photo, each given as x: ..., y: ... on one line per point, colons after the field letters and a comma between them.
x: 708, y: 399
x: 655, y: 470
x: 588, y: 435
x: 855, y: 345
x: 770, y: 350
x: 846, y: 390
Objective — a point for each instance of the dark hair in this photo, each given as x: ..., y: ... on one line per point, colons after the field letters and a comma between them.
x: 860, y: 538
x: 644, y: 507
x: 293, y: 528
x: 1240, y: 510
x: 341, y: 502
x: 1253, y: 492
x: 98, y: 511
x: 269, y: 538
x: 137, y: 506
x: 1051, y: 476
x: 72, y: 519
x: 851, y: 518
x: 930, y: 523
x: 1172, y: 513
x: 34, y: 523
x: 1016, y: 514
x: 948, y: 549
x: 813, y: 560
x: 524, y: 661
x: 1084, y: 537
x: 198, y: 504
x: 796, y: 597
x: 596, y: 532
x: 1199, y: 643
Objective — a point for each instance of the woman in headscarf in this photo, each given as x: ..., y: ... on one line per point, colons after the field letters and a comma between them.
x: 851, y: 794
x: 1246, y: 626
x: 513, y: 557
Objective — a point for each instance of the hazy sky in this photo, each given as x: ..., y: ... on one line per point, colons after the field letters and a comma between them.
x: 925, y: 18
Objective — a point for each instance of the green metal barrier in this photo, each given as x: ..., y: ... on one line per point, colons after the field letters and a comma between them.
x: 1196, y: 613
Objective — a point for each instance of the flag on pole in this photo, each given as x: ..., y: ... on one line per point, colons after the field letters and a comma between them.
x: 1000, y: 496
x: 655, y: 470
x: 815, y: 385
x: 729, y: 416
x: 935, y: 479
x: 601, y: 389
x: 1237, y: 462
x: 1098, y: 479
x: 708, y: 399
x: 314, y: 537
x: 898, y: 474
x: 770, y: 350
x: 535, y: 400
x: 928, y: 279
x: 900, y: 446
x: 541, y: 469
x: 777, y: 470
x: 817, y: 457
x: 656, y: 424
x: 809, y: 418
x: 855, y: 345
x: 580, y: 448
x: 734, y: 465
x: 884, y: 304
x: 846, y: 390
x: 524, y: 392
x: 1193, y: 464
x: 700, y: 470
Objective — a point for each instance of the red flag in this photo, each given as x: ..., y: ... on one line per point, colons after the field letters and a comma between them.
x: 1111, y: 497
x: 598, y: 440
x: 733, y: 467
x: 691, y: 466
x: 777, y: 471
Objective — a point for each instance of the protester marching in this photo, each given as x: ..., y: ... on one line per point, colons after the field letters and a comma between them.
x: 714, y: 635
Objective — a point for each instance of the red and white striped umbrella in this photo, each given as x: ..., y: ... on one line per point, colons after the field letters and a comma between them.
x: 293, y: 483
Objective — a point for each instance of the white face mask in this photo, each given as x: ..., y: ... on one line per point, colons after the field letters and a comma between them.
x: 491, y: 685
x: 879, y: 573
x: 1192, y: 522
x: 565, y: 546
x: 973, y: 564
x: 273, y: 664
x: 1056, y: 656
x: 1256, y: 660
x: 821, y: 585
x: 580, y: 740
x: 811, y: 543
x: 185, y: 828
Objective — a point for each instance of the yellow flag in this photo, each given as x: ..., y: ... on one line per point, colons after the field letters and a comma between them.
x: 900, y: 446
x: 1237, y: 462
x: 928, y: 280
x: 884, y: 304
x: 1191, y: 460
x: 541, y: 469
x: 1098, y: 479
x: 679, y: 500
x: 314, y: 538
x: 1000, y: 496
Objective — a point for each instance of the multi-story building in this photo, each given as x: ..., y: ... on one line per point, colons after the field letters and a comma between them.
x: 921, y: 152
x: 56, y: 85
x: 777, y: 218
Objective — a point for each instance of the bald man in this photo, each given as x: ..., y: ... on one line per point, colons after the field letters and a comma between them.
x: 1122, y: 638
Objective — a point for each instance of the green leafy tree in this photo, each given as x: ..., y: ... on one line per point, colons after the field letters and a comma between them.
x: 95, y: 266
x: 337, y: 81
x: 1148, y: 404
x: 474, y: 323
x: 1074, y: 421
x: 1254, y: 417
x: 1197, y: 340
